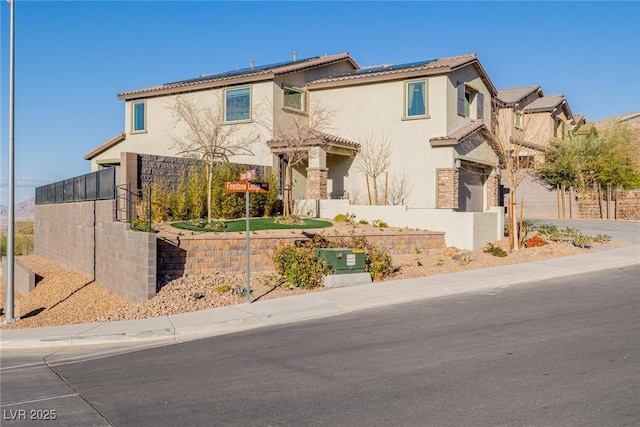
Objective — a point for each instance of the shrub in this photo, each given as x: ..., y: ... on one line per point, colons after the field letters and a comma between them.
x: 348, y: 218
x: 379, y: 223
x: 160, y: 202
x: 535, y: 241
x: 222, y: 289
x: 196, y: 193
x: 299, y: 266
x: 547, y: 229
x: 226, y: 205
x: 363, y: 221
x: 601, y: 238
x: 495, y: 250
x: 178, y: 199
x: 378, y: 263
x: 582, y: 240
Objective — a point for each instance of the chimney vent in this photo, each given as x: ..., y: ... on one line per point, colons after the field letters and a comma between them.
x: 251, y: 64
x: 295, y: 56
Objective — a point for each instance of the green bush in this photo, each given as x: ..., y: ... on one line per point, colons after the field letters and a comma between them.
x: 179, y: 200
x: 379, y: 223
x: 348, y: 218
x: 226, y: 205
x: 601, y: 238
x: 160, y: 202
x: 299, y: 266
x: 583, y: 240
x: 363, y: 221
x: 495, y: 250
x: 196, y: 193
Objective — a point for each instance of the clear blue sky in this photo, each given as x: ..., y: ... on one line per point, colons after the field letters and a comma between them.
x: 72, y: 58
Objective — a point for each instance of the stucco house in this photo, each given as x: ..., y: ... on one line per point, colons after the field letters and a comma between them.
x: 529, y: 120
x: 435, y: 115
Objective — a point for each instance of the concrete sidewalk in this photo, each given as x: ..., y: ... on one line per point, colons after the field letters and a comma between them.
x: 188, y: 326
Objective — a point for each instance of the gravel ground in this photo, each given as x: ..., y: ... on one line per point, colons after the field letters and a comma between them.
x: 64, y: 297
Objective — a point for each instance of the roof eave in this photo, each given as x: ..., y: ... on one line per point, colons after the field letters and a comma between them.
x: 210, y: 84
x: 105, y: 146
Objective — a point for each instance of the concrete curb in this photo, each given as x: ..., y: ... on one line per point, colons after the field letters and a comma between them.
x: 223, y: 320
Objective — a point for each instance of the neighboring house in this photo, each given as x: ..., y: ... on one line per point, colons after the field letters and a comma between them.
x: 434, y: 113
x: 529, y: 120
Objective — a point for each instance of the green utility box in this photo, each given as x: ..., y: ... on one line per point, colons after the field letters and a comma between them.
x: 343, y: 260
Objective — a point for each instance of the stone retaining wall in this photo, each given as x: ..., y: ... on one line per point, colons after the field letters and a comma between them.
x: 207, y: 253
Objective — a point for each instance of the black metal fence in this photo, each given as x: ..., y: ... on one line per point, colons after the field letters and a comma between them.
x: 100, y: 185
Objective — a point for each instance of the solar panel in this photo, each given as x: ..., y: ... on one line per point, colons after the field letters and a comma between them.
x: 240, y: 71
x: 391, y: 67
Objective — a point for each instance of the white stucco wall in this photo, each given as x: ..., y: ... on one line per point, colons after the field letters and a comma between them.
x: 162, y: 124
x: 375, y: 111
x: 464, y: 230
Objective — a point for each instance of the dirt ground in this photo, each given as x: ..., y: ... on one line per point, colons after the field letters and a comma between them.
x: 64, y: 297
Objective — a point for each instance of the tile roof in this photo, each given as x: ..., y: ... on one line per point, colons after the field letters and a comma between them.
x: 315, y: 138
x: 546, y: 103
x: 105, y: 146
x: 512, y: 95
x: 435, y: 66
x: 245, y: 75
x: 459, y: 134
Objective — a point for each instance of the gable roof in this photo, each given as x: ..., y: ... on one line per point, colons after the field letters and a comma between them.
x: 459, y: 134
x: 403, y: 71
x: 314, y: 138
x: 246, y: 75
x: 512, y: 96
x: 105, y: 146
x: 545, y: 103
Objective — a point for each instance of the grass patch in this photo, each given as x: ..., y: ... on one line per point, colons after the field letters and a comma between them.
x: 255, y: 224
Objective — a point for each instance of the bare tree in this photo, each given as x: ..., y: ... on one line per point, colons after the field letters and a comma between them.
x: 373, y: 160
x: 399, y: 188
x: 518, y: 157
x: 203, y: 133
x: 294, y: 134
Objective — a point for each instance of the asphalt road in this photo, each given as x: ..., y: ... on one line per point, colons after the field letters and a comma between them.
x: 558, y: 353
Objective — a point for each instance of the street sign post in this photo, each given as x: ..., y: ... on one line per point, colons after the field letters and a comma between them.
x: 246, y: 187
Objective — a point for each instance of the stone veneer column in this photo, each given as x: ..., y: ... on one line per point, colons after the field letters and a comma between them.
x: 317, y: 183
x: 448, y: 187
x: 493, y: 191
x: 317, y: 174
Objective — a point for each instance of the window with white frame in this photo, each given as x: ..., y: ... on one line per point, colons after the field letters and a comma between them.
x: 294, y: 99
x: 237, y: 104
x: 519, y: 120
x: 415, y: 99
x: 139, y: 116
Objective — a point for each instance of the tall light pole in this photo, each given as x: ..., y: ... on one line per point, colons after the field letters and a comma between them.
x: 9, y: 316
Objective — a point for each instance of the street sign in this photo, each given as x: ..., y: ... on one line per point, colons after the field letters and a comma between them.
x: 246, y: 187
x: 248, y: 175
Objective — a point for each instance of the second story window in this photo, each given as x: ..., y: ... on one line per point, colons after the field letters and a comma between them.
x: 294, y: 99
x: 139, y: 117
x: 519, y: 120
x: 415, y: 99
x: 237, y: 104
x: 470, y: 102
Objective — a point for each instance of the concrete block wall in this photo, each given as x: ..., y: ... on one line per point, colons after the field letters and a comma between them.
x: 84, y: 237
x: 206, y: 254
x: 64, y: 233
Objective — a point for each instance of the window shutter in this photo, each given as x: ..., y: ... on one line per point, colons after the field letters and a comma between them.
x: 461, y: 99
x: 480, y: 101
